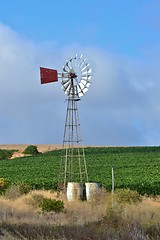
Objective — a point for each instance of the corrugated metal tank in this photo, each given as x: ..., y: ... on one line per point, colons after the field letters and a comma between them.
x: 74, y: 191
x: 91, y: 189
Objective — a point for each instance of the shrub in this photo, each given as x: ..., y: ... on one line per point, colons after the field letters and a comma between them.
x: 31, y: 149
x: 48, y: 205
x: 3, y: 185
x: 36, y: 200
x: 2, y: 182
x: 124, y: 196
x: 5, y: 154
x: 2, y: 154
x: 24, y: 188
x: 13, y: 192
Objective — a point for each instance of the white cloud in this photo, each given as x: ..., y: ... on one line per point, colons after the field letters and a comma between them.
x: 120, y: 108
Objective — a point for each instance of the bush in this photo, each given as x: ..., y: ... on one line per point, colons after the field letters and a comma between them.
x: 24, y: 188
x: 15, y: 191
x: 4, y: 185
x: 31, y: 149
x: 5, y: 154
x: 48, y: 205
x: 36, y: 200
x: 124, y: 196
x: 2, y: 182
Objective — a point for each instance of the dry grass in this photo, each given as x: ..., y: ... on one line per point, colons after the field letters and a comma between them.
x: 146, y: 214
x: 22, y: 210
x: 81, y: 220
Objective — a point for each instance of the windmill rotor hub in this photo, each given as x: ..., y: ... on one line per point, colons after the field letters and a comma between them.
x: 72, y: 74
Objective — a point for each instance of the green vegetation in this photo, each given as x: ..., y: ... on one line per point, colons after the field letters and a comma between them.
x: 127, y: 196
x: 49, y: 205
x: 46, y: 204
x: 4, y: 185
x: 135, y: 168
x: 5, y: 154
x: 15, y: 191
x: 31, y: 149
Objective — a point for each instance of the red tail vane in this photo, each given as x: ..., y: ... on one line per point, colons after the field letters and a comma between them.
x: 48, y: 75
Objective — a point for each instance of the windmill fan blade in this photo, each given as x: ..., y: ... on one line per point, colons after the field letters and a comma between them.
x: 65, y: 75
x: 87, y: 65
x: 84, y: 82
x: 71, y: 63
x: 81, y: 85
x: 67, y: 90
x: 77, y: 62
x: 88, y: 84
x: 64, y: 69
x: 79, y: 89
x: 88, y: 71
x: 82, y: 63
x: 80, y: 94
x: 86, y: 74
x: 67, y: 64
x: 74, y: 63
x: 85, y: 78
x: 85, y: 90
x: 71, y: 91
x: 65, y: 81
x: 76, y: 90
x: 75, y: 56
x: 65, y: 86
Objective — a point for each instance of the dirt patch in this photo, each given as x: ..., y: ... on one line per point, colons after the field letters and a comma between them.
x: 155, y: 203
x: 17, y: 155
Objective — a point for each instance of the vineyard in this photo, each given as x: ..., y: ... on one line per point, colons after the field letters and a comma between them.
x: 137, y: 168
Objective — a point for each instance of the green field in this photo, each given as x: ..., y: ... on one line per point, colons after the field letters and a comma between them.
x: 137, y: 168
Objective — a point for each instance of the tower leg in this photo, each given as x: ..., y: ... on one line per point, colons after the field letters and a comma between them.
x: 73, y: 164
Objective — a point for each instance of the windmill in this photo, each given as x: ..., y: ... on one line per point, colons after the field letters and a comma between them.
x: 75, y: 80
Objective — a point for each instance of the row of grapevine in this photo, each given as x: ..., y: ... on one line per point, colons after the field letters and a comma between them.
x: 137, y: 168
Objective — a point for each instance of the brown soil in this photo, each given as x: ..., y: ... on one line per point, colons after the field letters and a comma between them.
x: 21, y: 147
x: 155, y: 203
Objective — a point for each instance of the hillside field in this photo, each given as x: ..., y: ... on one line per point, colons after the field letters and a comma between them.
x: 137, y: 168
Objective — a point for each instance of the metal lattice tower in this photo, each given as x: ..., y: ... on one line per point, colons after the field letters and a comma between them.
x: 75, y: 82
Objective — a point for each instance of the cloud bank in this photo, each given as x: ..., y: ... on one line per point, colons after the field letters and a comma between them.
x: 121, y: 107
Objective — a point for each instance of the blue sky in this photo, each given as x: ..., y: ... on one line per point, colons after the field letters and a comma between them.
x: 121, y: 40
x: 125, y: 26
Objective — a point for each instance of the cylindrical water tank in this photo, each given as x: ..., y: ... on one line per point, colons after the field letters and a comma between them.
x: 74, y: 191
x: 92, y: 189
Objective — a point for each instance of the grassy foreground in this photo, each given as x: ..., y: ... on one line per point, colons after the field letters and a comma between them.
x: 94, y: 220
x: 136, y: 168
